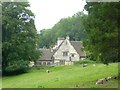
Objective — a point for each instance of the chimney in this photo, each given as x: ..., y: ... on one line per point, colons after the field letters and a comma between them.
x: 67, y: 37
x: 51, y: 49
x: 60, y: 40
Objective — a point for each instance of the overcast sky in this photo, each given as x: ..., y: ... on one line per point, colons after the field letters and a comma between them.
x: 49, y: 12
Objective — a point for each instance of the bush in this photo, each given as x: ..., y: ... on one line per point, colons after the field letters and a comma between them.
x: 40, y: 67
x: 86, y: 61
x: 16, y: 72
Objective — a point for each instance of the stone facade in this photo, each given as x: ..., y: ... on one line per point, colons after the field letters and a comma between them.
x: 65, y: 52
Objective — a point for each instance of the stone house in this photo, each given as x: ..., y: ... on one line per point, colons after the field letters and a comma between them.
x: 65, y: 52
x: 47, y: 57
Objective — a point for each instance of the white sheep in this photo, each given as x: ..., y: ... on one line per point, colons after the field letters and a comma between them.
x: 84, y: 65
x: 101, y: 81
x: 108, y: 78
x: 47, y: 71
x: 94, y: 65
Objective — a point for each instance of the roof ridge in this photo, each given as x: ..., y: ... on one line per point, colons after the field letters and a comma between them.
x: 75, y: 41
x: 77, y: 45
x: 59, y: 46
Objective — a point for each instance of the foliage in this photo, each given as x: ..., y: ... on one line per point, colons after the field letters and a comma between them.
x: 19, y: 37
x: 64, y: 77
x: 101, y: 26
x: 86, y: 61
x: 71, y: 26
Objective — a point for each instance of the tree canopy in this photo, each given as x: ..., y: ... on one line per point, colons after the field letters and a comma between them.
x: 19, y: 37
x: 101, y: 27
x: 71, y: 26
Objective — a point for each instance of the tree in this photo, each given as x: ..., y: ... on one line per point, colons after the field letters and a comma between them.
x: 71, y: 26
x: 19, y: 37
x: 101, y: 26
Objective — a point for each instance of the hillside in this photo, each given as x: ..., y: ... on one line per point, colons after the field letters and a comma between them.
x: 74, y: 76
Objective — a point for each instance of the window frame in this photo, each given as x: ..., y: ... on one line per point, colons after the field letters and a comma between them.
x: 65, y: 53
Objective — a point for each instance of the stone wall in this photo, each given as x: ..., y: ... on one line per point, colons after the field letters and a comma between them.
x: 71, y: 54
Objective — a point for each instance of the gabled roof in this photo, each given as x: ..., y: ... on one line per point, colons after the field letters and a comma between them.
x: 58, y: 47
x: 77, y: 46
x: 46, y: 54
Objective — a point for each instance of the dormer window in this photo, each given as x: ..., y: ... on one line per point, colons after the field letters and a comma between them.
x: 65, y: 53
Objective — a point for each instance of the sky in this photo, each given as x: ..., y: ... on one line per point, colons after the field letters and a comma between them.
x: 49, y: 12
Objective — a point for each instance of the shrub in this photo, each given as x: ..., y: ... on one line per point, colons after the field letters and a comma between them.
x: 86, y: 61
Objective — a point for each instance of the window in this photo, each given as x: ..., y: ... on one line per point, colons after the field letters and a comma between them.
x: 65, y: 53
x: 48, y: 63
x: 44, y: 63
x: 40, y: 63
x: 72, y: 55
x: 62, y: 62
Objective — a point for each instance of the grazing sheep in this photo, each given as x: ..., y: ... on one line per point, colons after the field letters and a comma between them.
x: 47, y: 71
x: 94, y: 65
x: 84, y: 65
x: 101, y: 81
x: 108, y: 78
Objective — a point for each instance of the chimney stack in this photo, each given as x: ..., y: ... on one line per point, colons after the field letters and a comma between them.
x: 60, y: 40
x: 67, y: 37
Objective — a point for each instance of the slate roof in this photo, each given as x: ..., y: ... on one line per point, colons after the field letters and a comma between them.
x: 46, y: 54
x: 58, y: 47
x: 77, y: 46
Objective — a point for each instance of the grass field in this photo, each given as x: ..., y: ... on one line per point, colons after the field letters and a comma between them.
x: 73, y: 76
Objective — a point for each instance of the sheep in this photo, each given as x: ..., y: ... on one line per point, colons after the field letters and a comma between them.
x: 47, y: 71
x: 94, y: 65
x: 108, y: 78
x: 101, y: 81
x: 84, y: 65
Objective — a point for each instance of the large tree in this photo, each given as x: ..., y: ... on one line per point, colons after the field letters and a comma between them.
x: 102, y: 27
x: 19, y: 37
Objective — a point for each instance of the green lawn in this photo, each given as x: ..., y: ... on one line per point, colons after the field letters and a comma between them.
x: 73, y: 76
